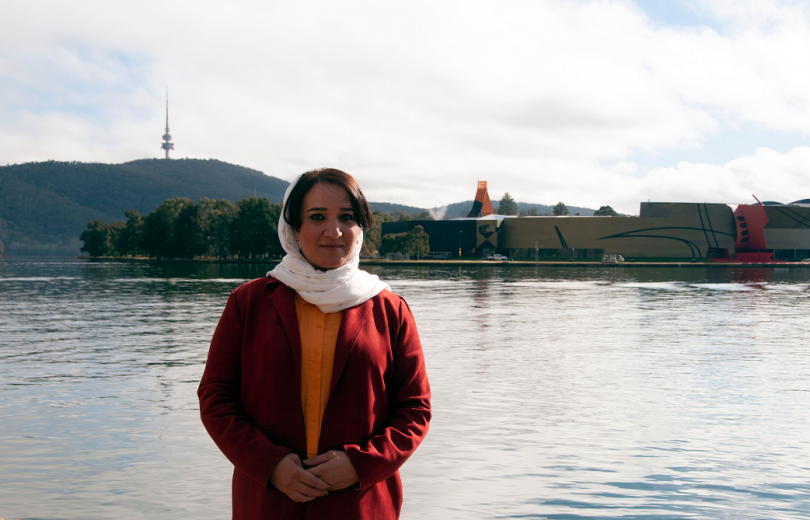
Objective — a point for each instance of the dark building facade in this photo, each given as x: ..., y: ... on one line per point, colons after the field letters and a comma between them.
x: 446, y: 236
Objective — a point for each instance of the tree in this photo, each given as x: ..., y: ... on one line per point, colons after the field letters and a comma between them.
x: 418, y: 242
x: 560, y: 209
x: 531, y: 211
x: 157, y: 234
x: 159, y: 228
x: 414, y: 242
x: 188, y: 232
x: 96, y: 238
x: 116, y: 229
x: 605, y: 211
x: 423, y: 215
x: 372, y: 237
x: 390, y: 244
x: 218, y: 216
x: 399, y: 215
x: 178, y: 228
x: 507, y: 205
x: 129, y: 240
x: 253, y: 230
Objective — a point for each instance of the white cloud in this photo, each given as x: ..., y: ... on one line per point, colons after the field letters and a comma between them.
x: 766, y: 174
x: 547, y: 100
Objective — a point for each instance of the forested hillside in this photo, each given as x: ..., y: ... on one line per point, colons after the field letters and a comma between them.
x: 390, y: 207
x: 45, y: 206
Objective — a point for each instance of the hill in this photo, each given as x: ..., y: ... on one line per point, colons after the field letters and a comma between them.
x: 45, y: 206
x: 390, y: 207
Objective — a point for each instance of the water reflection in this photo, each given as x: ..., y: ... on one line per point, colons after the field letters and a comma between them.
x: 558, y: 392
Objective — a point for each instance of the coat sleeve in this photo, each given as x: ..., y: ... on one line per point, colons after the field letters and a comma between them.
x: 409, y: 409
x: 223, y: 415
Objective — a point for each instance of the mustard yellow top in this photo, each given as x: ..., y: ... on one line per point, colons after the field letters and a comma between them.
x: 319, y: 333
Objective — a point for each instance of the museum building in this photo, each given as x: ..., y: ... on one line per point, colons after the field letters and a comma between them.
x: 663, y: 230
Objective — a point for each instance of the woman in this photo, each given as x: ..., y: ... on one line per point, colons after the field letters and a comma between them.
x: 315, y: 386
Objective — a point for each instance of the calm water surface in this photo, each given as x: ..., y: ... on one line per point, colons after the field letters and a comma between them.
x: 557, y: 393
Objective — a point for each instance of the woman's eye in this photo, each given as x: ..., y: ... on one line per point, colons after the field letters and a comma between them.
x: 347, y: 217
x: 316, y: 216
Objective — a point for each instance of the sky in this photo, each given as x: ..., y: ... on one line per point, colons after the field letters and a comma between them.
x: 604, y: 102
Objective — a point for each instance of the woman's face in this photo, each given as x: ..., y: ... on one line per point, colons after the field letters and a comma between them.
x: 328, y: 228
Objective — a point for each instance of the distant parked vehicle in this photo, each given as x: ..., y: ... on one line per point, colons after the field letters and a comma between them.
x: 612, y: 259
x: 497, y: 258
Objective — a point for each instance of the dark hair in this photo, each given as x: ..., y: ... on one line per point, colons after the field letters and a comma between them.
x: 294, y: 206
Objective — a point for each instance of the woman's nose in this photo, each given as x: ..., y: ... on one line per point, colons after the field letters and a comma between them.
x: 333, y: 230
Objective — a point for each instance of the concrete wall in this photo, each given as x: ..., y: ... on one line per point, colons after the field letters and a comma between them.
x: 667, y: 230
x: 788, y: 227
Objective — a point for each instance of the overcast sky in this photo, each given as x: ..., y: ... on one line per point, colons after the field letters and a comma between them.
x: 586, y: 102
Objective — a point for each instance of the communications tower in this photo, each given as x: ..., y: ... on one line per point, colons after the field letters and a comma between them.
x: 167, y: 138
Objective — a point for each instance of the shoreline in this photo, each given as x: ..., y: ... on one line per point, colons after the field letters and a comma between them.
x: 463, y: 263
x: 557, y: 263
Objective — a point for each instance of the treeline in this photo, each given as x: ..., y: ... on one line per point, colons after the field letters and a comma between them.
x: 508, y: 206
x: 415, y: 242
x: 211, y: 228
x: 179, y: 228
x: 373, y: 239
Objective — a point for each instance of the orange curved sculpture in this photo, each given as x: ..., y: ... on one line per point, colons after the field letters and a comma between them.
x: 482, y: 206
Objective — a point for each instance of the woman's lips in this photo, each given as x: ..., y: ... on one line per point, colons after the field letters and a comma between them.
x: 332, y: 247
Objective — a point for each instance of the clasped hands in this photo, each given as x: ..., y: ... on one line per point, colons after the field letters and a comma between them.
x: 326, y: 472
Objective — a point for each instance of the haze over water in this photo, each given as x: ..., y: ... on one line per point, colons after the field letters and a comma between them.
x: 557, y: 392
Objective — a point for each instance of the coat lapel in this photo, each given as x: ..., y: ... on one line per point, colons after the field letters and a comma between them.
x: 350, y: 326
x: 283, y: 299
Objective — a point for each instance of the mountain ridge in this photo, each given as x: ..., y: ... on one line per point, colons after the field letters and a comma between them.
x: 44, y: 206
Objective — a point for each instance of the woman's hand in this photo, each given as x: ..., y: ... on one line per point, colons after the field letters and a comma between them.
x: 290, y: 477
x: 334, y: 468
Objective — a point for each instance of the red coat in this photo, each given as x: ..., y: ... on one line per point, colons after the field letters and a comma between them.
x: 378, y: 409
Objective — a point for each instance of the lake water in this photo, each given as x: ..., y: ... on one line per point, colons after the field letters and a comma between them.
x: 557, y: 392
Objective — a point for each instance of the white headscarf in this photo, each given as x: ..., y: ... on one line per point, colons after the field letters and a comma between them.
x: 332, y: 290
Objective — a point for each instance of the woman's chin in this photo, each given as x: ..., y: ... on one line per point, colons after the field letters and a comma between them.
x: 325, y: 264
x: 325, y: 260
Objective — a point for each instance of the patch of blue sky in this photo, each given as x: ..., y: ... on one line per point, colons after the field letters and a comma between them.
x: 724, y: 146
x: 680, y: 14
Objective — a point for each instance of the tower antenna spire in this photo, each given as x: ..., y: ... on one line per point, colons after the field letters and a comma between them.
x: 167, y: 109
x: 167, y: 138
